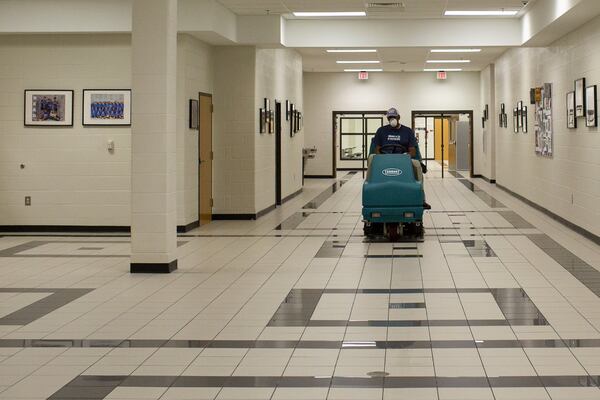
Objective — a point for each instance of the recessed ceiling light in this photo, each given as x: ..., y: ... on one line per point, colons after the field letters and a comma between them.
x: 358, y: 62
x: 455, y: 50
x: 352, y: 51
x: 330, y: 14
x: 448, y: 61
x: 442, y: 69
x: 364, y: 70
x: 484, y: 13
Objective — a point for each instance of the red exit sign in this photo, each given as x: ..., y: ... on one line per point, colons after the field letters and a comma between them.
x: 442, y: 75
x: 363, y: 75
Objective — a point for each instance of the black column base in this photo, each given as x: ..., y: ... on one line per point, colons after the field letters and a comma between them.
x: 153, y: 268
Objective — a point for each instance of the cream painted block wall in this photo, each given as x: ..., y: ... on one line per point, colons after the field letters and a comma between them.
x: 194, y: 75
x: 278, y: 77
x: 485, y: 143
x: 234, y: 130
x: 567, y: 184
x: 407, y: 91
x: 69, y: 174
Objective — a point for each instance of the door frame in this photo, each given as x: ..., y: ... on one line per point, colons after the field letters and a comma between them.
x: 334, y: 133
x: 209, y: 95
x: 278, y: 142
x: 446, y: 113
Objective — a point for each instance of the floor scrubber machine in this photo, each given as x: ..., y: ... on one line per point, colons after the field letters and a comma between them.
x: 393, y: 198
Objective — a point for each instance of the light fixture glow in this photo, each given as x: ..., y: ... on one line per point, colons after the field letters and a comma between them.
x: 364, y: 70
x: 358, y: 62
x: 448, y: 61
x: 442, y: 69
x: 352, y: 51
x: 455, y: 50
x: 330, y: 14
x: 482, y: 13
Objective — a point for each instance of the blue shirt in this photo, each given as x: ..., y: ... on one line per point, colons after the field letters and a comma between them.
x: 403, y: 136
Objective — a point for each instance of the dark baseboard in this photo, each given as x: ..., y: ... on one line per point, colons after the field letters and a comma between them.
x: 188, y: 227
x: 485, y: 178
x: 233, y: 217
x: 265, y: 211
x: 242, y: 217
x: 319, y: 176
x: 352, y: 169
x: 583, y: 232
x: 64, y: 228
x: 153, y: 268
x: 291, y: 196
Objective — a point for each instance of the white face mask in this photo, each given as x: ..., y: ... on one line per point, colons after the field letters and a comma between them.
x: 393, y: 122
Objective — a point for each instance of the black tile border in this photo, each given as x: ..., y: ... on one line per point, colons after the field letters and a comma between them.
x: 153, y: 268
x: 483, y: 195
x: 97, y: 387
x: 28, y: 314
x: 65, y: 228
x: 188, y: 227
x: 299, y: 344
x: 582, y: 231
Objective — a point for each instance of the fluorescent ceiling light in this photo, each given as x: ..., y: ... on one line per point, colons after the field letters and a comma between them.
x: 364, y: 70
x: 442, y: 69
x: 484, y: 13
x: 456, y: 50
x: 331, y: 14
x: 448, y: 61
x: 353, y: 51
x: 358, y: 62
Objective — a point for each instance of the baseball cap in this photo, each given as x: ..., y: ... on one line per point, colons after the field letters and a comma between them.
x: 392, y: 112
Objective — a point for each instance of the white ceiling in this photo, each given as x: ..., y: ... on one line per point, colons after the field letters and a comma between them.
x: 396, y: 59
x: 413, y: 8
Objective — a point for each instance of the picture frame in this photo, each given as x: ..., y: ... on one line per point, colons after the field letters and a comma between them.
x: 487, y: 112
x: 580, y: 97
x: 47, y: 107
x: 287, y: 110
x: 106, y: 107
x: 591, y: 110
x: 271, y: 121
x: 262, y: 118
x: 571, y: 117
x: 194, y: 114
x: 505, y: 120
x: 267, y: 104
x: 291, y: 118
x: 520, y: 115
x: 516, y: 120
x: 524, y: 120
x: 483, y: 122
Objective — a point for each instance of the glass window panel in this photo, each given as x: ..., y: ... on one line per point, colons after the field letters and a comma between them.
x: 352, y: 147
x: 352, y: 125
x: 373, y: 124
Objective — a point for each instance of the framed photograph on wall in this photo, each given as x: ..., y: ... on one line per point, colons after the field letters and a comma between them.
x: 106, y: 107
x: 194, y: 114
x: 524, y: 120
x: 571, y: 118
x: 505, y: 119
x: 516, y: 120
x: 287, y: 110
x: 580, y: 97
x: 591, y: 111
x: 262, y: 118
x: 271, y: 121
x: 48, y: 108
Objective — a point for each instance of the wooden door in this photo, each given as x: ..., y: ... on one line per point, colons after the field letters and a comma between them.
x: 205, y: 155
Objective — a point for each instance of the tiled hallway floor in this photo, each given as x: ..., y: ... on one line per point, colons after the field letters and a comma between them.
x: 497, y: 302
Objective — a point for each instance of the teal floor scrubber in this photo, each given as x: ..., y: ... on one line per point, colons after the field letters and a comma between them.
x: 393, y: 198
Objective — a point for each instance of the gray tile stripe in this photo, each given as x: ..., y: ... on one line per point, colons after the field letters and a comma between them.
x: 32, y: 312
x: 581, y: 270
x: 303, y: 344
x: 98, y: 387
x: 484, y: 196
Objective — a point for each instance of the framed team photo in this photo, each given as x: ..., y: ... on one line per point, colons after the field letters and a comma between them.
x: 580, y: 98
x: 194, y: 122
x: 48, y: 108
x: 591, y: 113
x: 107, y: 107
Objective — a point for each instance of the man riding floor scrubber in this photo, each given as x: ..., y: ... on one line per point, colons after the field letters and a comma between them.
x: 393, y: 197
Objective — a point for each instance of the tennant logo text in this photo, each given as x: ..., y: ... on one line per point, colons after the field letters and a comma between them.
x: 392, y: 172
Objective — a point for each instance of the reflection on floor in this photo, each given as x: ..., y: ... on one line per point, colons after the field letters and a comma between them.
x: 496, y: 302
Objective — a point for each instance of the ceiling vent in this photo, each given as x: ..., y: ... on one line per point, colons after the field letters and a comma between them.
x: 385, y: 9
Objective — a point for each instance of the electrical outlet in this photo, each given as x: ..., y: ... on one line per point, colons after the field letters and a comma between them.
x: 27, y: 200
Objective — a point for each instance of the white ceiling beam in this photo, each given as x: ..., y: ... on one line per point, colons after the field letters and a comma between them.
x: 548, y: 20
x: 403, y: 33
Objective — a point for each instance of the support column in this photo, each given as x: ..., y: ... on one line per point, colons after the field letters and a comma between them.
x: 153, y: 137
